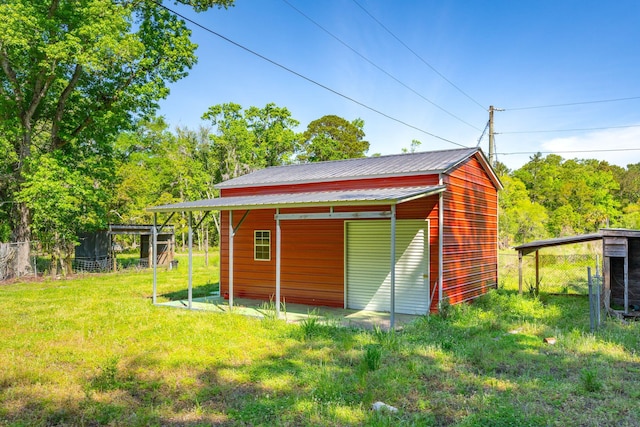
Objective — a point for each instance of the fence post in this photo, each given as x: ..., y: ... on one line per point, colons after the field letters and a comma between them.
x: 591, y: 301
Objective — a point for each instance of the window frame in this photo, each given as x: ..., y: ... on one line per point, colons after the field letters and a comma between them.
x: 262, y: 245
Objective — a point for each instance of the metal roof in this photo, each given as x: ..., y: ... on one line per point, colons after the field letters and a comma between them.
x: 429, y: 162
x: 376, y: 196
x: 527, y: 248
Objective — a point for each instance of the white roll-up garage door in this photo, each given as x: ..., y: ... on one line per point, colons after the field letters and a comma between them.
x: 368, y: 266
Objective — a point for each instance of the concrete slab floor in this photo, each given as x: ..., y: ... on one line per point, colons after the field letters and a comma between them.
x: 294, y: 313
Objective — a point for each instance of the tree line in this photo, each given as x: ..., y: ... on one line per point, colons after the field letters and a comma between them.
x: 552, y: 197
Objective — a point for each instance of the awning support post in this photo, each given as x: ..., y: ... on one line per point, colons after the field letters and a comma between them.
x: 393, y: 268
x: 154, y: 242
x: 231, y: 233
x: 519, y: 272
x: 190, y: 279
x: 278, y: 263
x: 537, y: 288
x: 440, y: 246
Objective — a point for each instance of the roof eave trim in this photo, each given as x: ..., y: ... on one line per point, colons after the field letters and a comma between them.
x: 330, y: 179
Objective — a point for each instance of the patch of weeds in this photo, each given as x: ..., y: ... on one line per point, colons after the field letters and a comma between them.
x: 387, y: 339
x: 446, y: 309
x: 269, y: 310
x: 311, y: 326
x: 504, y: 416
x: 372, y: 356
x: 108, y: 378
x: 103, y: 413
x: 590, y: 381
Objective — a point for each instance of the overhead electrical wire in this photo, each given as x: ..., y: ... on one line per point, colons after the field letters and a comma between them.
x: 568, y: 130
x: 419, y: 57
x: 608, y: 150
x: 378, y: 67
x: 573, y: 103
x: 310, y: 80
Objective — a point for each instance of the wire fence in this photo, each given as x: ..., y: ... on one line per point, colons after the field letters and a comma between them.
x: 564, y: 273
x: 39, y: 264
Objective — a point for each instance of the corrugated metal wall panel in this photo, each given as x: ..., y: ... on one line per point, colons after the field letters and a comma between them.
x: 470, y: 233
x: 368, y: 266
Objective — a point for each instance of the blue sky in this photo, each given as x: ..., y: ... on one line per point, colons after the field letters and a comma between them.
x: 510, y: 54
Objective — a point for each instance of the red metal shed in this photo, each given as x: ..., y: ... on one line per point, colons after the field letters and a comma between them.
x: 326, y: 233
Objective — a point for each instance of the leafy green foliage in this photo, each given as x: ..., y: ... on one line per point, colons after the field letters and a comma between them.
x: 74, y: 75
x: 333, y: 138
x: 244, y: 141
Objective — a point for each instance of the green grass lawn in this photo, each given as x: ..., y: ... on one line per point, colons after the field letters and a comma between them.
x: 93, y: 350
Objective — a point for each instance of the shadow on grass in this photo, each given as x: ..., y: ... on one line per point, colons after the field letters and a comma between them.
x: 205, y: 290
x: 485, y: 364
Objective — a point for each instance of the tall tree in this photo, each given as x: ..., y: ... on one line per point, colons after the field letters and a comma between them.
x: 333, y: 138
x: 80, y: 71
x: 520, y: 219
x: 244, y: 141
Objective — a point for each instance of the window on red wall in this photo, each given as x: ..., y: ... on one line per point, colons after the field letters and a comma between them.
x: 262, y: 245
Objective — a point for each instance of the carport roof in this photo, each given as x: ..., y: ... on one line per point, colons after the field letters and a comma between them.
x: 527, y: 248
x: 377, y: 196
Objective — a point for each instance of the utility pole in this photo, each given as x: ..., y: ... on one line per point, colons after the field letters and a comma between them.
x: 492, y: 146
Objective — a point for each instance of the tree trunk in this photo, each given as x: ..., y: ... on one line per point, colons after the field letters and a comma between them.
x: 68, y: 261
x: 22, y: 234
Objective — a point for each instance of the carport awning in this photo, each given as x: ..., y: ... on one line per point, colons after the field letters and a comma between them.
x: 377, y: 196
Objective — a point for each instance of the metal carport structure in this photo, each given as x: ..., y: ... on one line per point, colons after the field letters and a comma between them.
x: 534, y: 247
x: 329, y: 199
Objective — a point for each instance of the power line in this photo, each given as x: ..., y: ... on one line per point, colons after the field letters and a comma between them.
x: 569, y: 130
x: 418, y: 56
x: 608, y: 150
x: 574, y: 103
x: 310, y: 80
x: 378, y: 67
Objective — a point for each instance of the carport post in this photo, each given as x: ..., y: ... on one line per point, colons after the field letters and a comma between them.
x: 230, y: 259
x: 393, y: 267
x: 190, y: 279
x: 537, y: 273
x: 278, y: 264
x: 154, y: 240
x: 519, y: 272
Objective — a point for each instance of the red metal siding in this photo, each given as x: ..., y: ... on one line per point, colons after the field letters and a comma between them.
x: 312, y: 270
x: 313, y: 251
x: 470, y: 260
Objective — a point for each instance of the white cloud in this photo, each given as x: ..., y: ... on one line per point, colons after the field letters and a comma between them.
x: 611, y: 145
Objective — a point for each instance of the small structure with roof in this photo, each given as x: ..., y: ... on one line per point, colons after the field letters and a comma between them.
x: 399, y: 233
x: 95, y: 251
x: 620, y: 269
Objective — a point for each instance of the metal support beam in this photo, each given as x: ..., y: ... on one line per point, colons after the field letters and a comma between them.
x: 440, y: 245
x: 206, y: 214
x: 278, y: 262
x: 393, y: 267
x: 239, y: 223
x: 166, y: 222
x: 231, y: 234
x: 190, y: 277
x: 537, y: 288
x: 520, y: 272
x: 154, y: 241
x: 335, y: 215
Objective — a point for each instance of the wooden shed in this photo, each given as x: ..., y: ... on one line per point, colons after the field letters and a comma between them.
x: 395, y: 233
x: 621, y: 252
